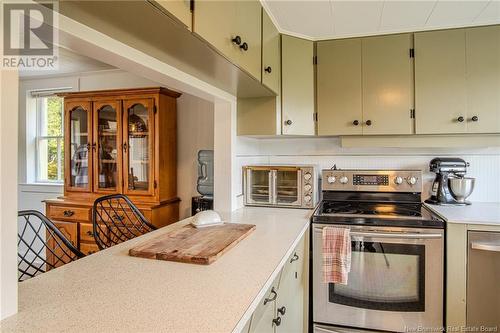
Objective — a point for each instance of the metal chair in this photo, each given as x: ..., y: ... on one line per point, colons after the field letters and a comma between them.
x: 41, y: 246
x: 116, y: 219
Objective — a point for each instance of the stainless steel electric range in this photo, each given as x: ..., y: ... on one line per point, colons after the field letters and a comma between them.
x: 397, y: 263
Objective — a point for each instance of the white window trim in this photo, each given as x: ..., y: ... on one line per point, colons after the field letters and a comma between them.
x: 36, y: 94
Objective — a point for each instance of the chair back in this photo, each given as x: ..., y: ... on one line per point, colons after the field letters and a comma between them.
x: 116, y: 219
x: 41, y: 246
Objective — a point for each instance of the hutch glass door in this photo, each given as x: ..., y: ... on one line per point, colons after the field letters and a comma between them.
x: 107, y: 126
x: 79, y: 136
x: 138, y: 147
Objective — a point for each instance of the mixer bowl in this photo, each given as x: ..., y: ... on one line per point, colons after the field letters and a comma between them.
x: 461, y: 188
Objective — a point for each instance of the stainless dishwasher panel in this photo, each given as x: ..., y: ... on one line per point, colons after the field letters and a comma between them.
x: 483, y: 279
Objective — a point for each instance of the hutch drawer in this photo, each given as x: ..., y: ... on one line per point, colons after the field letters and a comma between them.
x: 68, y: 213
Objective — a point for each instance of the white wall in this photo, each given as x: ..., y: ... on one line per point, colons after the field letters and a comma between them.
x: 325, y: 152
x: 8, y: 185
x: 195, y: 131
x: 195, y: 123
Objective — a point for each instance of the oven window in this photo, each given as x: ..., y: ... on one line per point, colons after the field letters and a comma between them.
x: 383, y: 276
x: 287, y: 187
x: 259, y: 186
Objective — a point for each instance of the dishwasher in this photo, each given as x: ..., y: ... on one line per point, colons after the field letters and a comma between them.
x: 483, y: 275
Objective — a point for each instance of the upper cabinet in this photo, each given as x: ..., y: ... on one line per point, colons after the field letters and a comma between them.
x: 339, y: 87
x: 234, y: 29
x: 457, y: 81
x: 387, y: 85
x: 297, y: 92
x: 440, y: 85
x: 364, y: 86
x: 483, y: 79
x: 180, y: 9
x: 121, y: 141
x: 271, y: 54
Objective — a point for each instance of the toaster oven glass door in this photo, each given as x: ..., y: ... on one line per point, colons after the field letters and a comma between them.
x: 288, y: 187
x: 259, y: 186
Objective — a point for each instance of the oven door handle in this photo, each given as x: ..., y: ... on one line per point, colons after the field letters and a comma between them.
x: 391, y: 234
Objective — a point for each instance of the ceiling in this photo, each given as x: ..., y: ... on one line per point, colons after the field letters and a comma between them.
x: 68, y: 63
x: 330, y: 19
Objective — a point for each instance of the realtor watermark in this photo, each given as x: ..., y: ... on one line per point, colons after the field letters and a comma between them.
x: 425, y: 329
x: 30, y: 35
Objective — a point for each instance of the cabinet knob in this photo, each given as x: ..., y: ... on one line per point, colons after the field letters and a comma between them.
x: 460, y: 119
x: 89, y: 233
x: 125, y: 147
x: 368, y: 122
x: 355, y: 123
x: 244, y: 46
x: 68, y: 213
x: 277, y: 321
x: 236, y: 40
x: 268, y: 69
x: 288, y: 122
x: 475, y: 118
x: 282, y: 310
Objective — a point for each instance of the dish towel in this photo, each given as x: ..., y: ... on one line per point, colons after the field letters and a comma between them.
x: 336, y: 254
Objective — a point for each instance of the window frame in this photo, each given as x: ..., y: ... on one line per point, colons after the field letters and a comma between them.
x: 39, y: 138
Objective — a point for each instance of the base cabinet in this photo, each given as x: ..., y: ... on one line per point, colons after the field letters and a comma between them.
x: 70, y: 231
x: 74, y: 220
x: 284, y: 308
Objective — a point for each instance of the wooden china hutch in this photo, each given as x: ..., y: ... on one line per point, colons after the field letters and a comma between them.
x: 117, y: 141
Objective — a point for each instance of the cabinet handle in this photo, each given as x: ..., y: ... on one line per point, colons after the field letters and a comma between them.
x: 368, y: 122
x: 94, y: 146
x: 90, y: 233
x: 68, y: 213
x: 460, y: 119
x: 282, y: 310
x: 236, y: 40
x: 294, y: 258
x: 125, y: 147
x: 277, y: 321
x: 475, y: 118
x: 288, y: 122
x: 268, y: 69
x: 355, y: 123
x: 272, y: 298
x: 88, y: 146
x: 244, y: 46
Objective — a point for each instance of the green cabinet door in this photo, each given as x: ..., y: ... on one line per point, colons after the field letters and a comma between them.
x: 271, y: 54
x: 440, y: 87
x: 483, y: 79
x: 297, y: 93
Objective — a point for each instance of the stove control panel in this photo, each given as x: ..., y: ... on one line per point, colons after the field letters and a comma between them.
x: 372, y: 180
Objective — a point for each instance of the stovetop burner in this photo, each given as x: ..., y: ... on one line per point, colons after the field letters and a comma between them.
x: 370, y: 208
x: 413, y: 214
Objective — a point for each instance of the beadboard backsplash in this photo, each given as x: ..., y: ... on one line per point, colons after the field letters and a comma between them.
x: 325, y: 152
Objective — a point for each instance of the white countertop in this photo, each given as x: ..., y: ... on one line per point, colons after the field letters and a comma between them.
x: 487, y: 213
x: 111, y: 291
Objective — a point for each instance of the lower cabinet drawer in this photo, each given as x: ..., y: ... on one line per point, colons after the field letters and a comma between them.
x: 68, y: 213
x: 88, y: 248
x: 86, y: 233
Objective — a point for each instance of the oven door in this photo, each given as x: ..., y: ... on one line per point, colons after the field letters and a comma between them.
x: 259, y: 183
x: 395, y: 282
x: 288, y: 186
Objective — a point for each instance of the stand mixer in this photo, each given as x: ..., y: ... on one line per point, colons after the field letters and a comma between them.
x: 450, y: 186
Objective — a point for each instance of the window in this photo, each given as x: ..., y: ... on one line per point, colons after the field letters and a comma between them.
x: 50, y: 139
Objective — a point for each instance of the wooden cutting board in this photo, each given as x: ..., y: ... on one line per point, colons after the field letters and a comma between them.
x: 193, y: 245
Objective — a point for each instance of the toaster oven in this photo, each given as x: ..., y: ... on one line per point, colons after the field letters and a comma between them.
x: 280, y: 186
